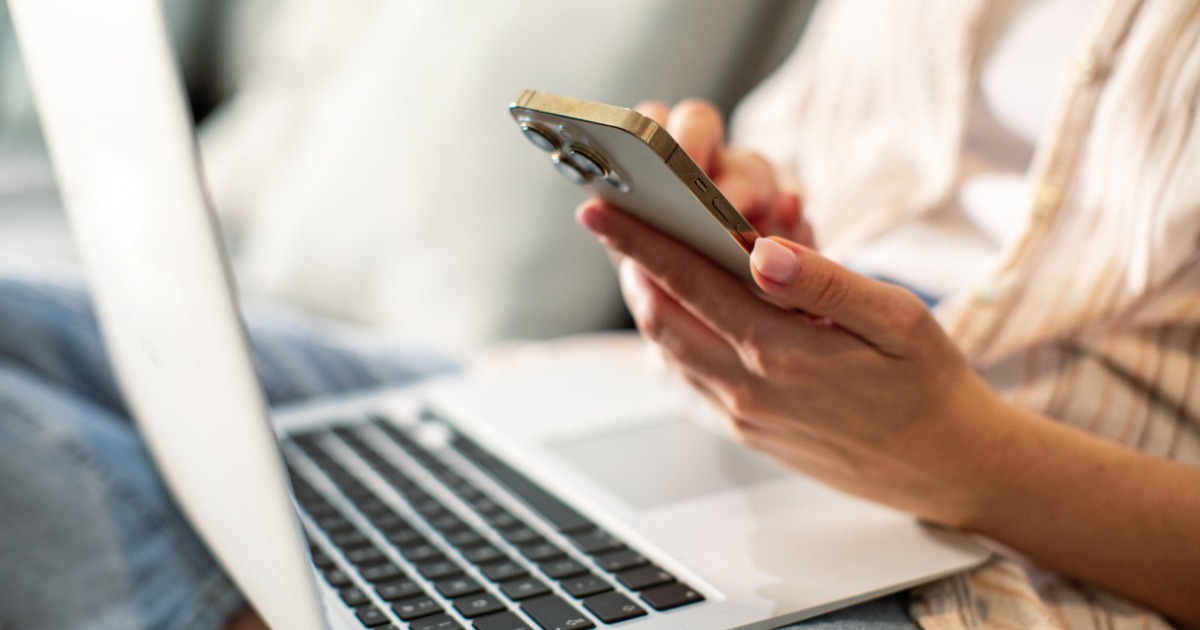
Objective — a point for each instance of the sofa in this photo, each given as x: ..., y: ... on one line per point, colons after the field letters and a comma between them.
x: 363, y: 164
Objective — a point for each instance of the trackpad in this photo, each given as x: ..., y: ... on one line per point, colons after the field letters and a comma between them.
x: 665, y: 461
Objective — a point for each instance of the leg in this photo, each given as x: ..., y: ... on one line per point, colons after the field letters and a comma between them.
x: 50, y: 328
x: 91, y: 538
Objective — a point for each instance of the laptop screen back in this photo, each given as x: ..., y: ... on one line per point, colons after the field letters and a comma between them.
x: 112, y: 108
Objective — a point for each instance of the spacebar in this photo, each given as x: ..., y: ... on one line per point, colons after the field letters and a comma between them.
x: 562, y: 516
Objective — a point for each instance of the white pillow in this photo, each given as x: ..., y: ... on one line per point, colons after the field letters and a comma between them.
x: 376, y: 174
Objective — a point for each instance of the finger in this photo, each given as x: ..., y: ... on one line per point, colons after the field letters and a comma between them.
x: 657, y: 111
x: 700, y: 129
x: 614, y: 257
x: 686, y: 342
x: 789, y: 220
x: 711, y: 294
x: 883, y: 315
x: 786, y: 210
x: 694, y: 351
x: 748, y: 182
x: 746, y: 431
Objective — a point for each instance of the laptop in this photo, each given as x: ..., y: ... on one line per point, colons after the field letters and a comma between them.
x: 582, y: 490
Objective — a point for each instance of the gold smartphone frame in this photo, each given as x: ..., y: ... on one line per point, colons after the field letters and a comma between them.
x: 632, y: 151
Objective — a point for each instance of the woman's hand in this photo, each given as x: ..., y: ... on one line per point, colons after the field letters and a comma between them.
x: 744, y: 177
x: 849, y: 380
x: 852, y: 382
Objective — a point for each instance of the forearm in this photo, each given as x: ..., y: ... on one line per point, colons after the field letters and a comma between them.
x: 1093, y: 510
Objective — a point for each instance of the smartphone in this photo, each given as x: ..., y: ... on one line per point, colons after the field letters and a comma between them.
x: 634, y: 164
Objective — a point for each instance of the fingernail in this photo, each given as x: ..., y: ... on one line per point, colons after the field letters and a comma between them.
x: 774, y: 261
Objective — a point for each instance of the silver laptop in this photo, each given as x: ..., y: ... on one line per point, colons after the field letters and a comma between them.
x: 584, y: 490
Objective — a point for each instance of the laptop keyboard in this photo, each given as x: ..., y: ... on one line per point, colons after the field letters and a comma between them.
x: 452, y: 554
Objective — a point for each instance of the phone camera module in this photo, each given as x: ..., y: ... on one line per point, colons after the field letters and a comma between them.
x: 586, y: 163
x: 539, y: 138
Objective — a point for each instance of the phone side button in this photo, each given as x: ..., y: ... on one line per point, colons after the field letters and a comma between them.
x: 723, y: 211
x: 700, y: 185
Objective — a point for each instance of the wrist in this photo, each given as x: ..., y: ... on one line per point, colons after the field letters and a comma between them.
x: 973, y: 450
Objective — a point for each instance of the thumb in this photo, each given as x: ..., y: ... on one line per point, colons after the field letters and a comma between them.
x: 879, y: 313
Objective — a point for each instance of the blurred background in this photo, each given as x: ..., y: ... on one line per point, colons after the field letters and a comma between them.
x: 363, y: 162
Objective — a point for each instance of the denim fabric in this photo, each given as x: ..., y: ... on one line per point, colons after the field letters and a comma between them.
x: 89, y: 536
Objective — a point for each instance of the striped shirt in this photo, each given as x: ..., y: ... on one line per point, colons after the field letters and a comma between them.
x: 1092, y: 315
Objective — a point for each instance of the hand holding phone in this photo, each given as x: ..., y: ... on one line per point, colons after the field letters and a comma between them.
x: 633, y: 163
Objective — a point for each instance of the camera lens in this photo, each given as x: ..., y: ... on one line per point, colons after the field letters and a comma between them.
x: 539, y: 138
x: 569, y: 170
x: 586, y: 163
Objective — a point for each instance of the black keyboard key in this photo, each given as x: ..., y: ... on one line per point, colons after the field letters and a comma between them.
x: 582, y: 586
x: 484, y: 554
x: 366, y: 556
x: 613, y: 607
x: 552, y: 613
x: 503, y: 520
x: 501, y: 621
x: 484, y: 505
x: 466, y: 490
x: 541, y: 552
x: 466, y: 539
x: 439, y: 570
x: 334, y: 524
x: 405, y: 537
x: 436, y: 622
x: 448, y: 524
x: 353, y: 597
x: 400, y: 589
x: 317, y: 506
x: 352, y: 539
x: 501, y: 571
x: 458, y: 587
x: 478, y: 605
x: 415, y: 608
x: 337, y: 578
x: 596, y: 541
x: 644, y: 577
x: 375, y: 508
x: 389, y: 521
x: 381, y: 573
x: 523, y: 588
x: 521, y: 536
x: 371, y: 616
x: 561, y: 515
x: 614, y: 561
x: 430, y: 508
x: 673, y: 595
x: 322, y: 559
x: 562, y: 568
x: 422, y: 553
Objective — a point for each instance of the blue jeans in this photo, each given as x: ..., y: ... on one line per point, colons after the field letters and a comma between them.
x: 89, y: 536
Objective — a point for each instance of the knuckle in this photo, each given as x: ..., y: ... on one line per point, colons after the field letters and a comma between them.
x: 743, y: 402
x: 761, y: 357
x: 828, y: 290
x: 911, y: 317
